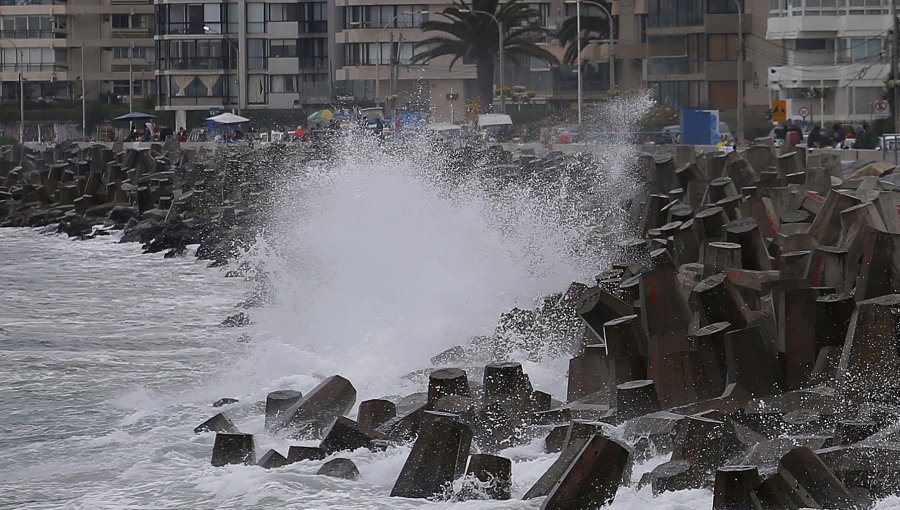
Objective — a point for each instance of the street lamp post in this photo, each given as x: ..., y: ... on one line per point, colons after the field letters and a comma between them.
x: 237, y: 88
x: 501, y: 61
x: 378, y: 45
x: 740, y: 75
x: 612, y: 53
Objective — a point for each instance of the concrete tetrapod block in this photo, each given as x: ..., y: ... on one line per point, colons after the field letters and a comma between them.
x: 437, y: 458
x: 854, y: 221
x: 704, y: 442
x: 277, y: 402
x: 674, y: 475
x: 346, y: 434
x: 595, y: 372
x: 654, y: 215
x: 375, y: 413
x: 678, y: 378
x: 888, y: 204
x: 732, y: 207
x: 879, y: 274
x: 593, y: 477
x: 797, y: 335
x: 734, y: 487
x: 803, y: 467
x: 754, y: 252
x: 218, y: 423
x: 830, y: 266
x: 709, y: 341
x: 777, y: 493
x: 833, y: 314
x: 664, y: 308
x: 493, y: 471
x: 720, y: 257
x: 763, y: 211
x: 872, y: 465
x: 636, y: 398
x: 751, y: 361
x: 624, y: 337
x: 506, y: 383
x: 332, y: 398
x: 869, y: 359
x: 719, y: 188
x: 686, y: 243
x: 298, y: 453
x: 720, y: 300
x: 272, y: 459
x: 793, y: 264
x: 233, y: 449
x: 597, y: 307
x: 709, y: 222
x: 447, y: 381
x: 548, y: 480
x: 693, y: 182
x: 826, y: 228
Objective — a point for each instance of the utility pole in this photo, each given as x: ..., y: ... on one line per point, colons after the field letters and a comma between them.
x: 740, y: 75
x: 83, y: 100
x: 894, y: 65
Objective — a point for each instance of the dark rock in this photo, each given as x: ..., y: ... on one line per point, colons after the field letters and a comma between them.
x: 218, y: 423
x: 339, y: 468
x: 674, y: 475
x: 224, y: 402
x: 237, y: 320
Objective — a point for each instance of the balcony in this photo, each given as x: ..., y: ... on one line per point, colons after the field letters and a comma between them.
x: 313, y: 63
x: 32, y: 34
x: 198, y: 64
x: 130, y: 33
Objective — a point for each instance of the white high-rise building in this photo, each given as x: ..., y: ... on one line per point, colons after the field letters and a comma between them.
x: 834, y: 56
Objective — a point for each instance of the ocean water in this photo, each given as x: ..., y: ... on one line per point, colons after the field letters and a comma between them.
x: 109, y: 358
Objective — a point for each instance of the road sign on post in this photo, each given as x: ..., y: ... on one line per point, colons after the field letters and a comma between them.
x: 803, y: 112
x: 880, y: 108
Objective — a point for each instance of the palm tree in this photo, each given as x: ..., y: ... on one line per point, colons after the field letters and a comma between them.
x: 472, y: 36
x: 592, y: 27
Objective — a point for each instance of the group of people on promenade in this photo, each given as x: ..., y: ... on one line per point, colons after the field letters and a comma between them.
x: 858, y: 136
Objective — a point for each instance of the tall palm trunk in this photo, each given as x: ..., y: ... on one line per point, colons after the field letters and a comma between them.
x: 484, y: 71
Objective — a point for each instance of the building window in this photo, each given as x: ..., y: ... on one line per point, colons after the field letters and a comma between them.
x: 282, y: 48
x: 256, y: 18
x: 122, y: 53
x: 32, y: 59
x: 857, y: 50
x: 724, y: 6
x: 122, y: 87
x: 722, y: 47
x: 723, y: 94
x: 314, y: 53
x: 283, y: 83
x: 257, y: 93
x: 284, y: 12
x: 313, y: 18
x: 380, y: 16
x: 679, y: 94
x: 675, y: 13
x: 377, y: 53
x: 543, y: 14
x: 256, y: 54
x: 26, y: 27
x: 197, y: 54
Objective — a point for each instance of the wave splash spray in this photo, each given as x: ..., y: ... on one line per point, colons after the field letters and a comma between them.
x: 381, y: 258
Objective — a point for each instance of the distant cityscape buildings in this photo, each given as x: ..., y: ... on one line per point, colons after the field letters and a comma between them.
x: 829, y: 58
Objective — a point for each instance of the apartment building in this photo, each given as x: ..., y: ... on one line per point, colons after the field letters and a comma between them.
x: 63, y: 47
x: 692, y: 57
x: 832, y: 57
x: 243, y: 54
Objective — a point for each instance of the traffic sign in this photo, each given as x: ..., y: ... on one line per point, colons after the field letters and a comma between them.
x: 880, y: 107
x: 803, y: 112
x: 779, y: 110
